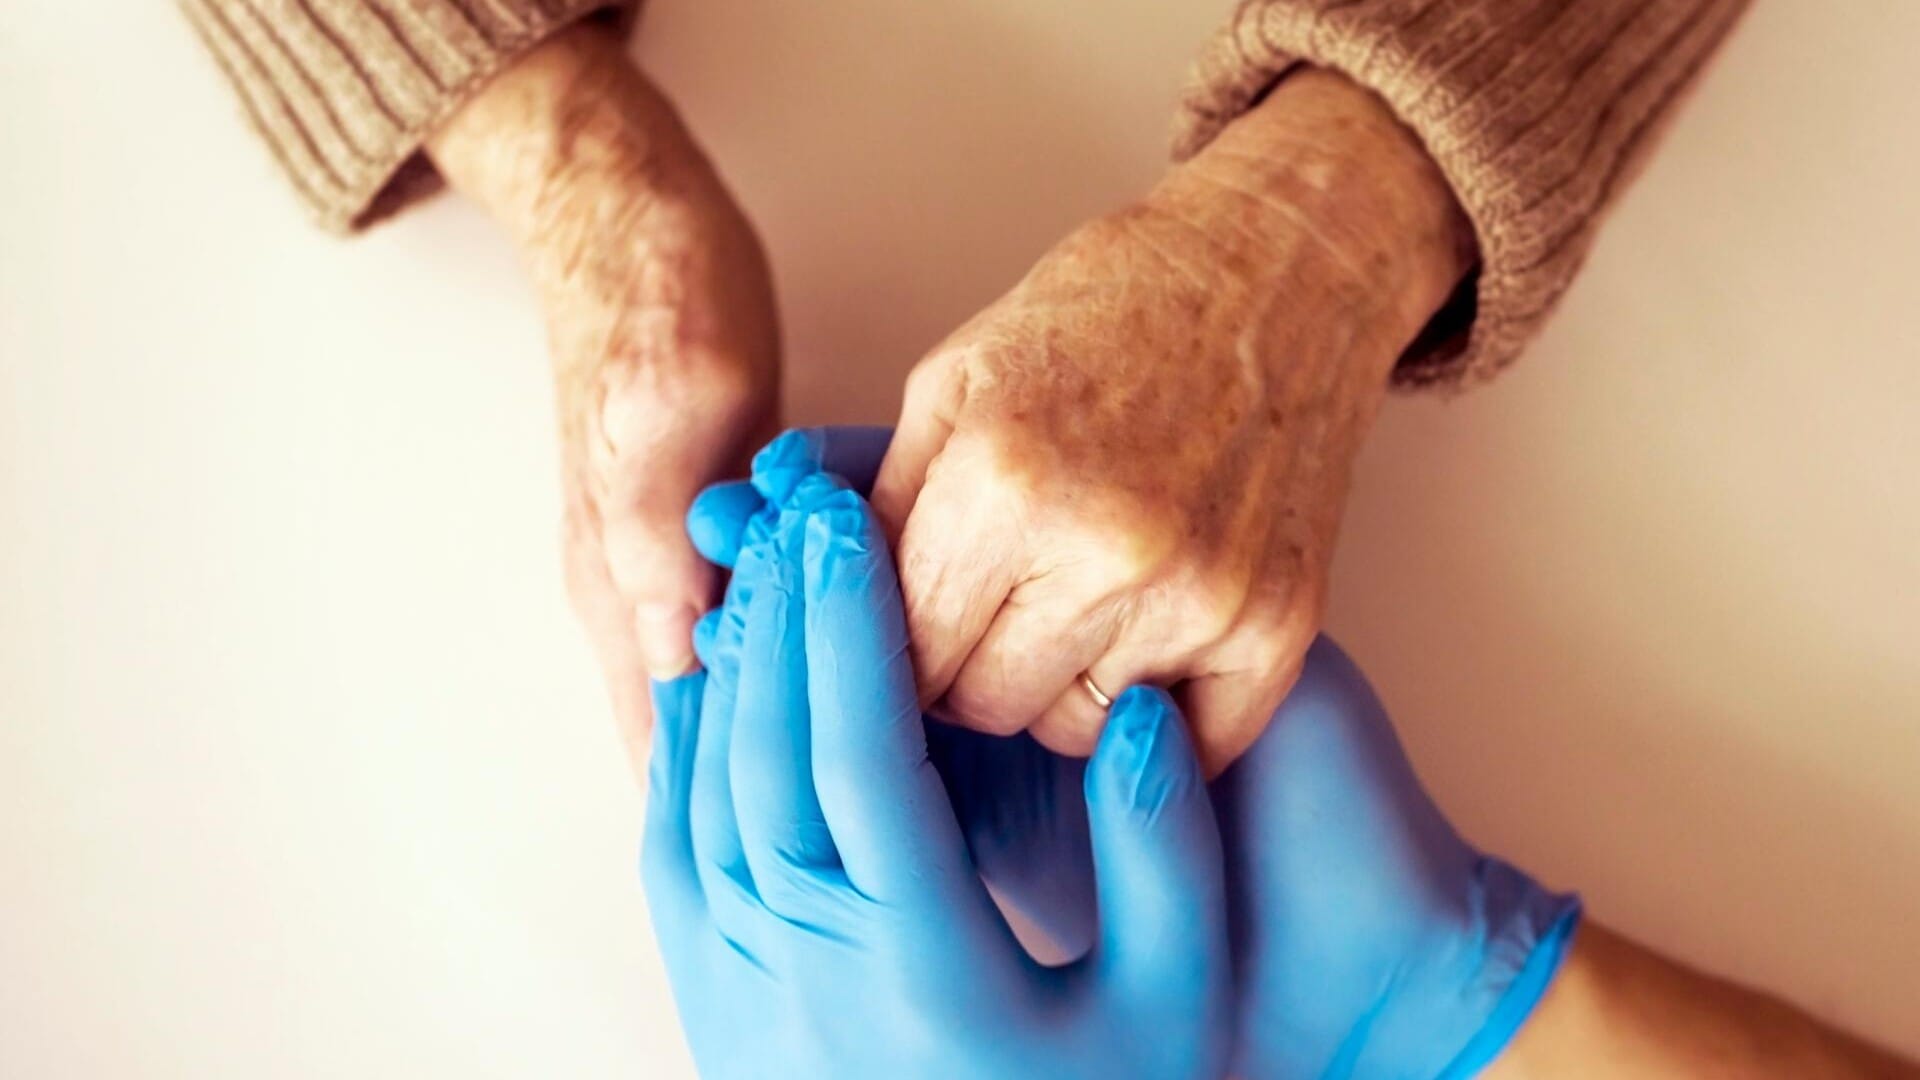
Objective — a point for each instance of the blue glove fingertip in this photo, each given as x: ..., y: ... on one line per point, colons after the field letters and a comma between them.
x: 718, y: 519
x: 783, y: 463
x: 822, y: 492
x: 840, y: 549
x: 1144, y: 757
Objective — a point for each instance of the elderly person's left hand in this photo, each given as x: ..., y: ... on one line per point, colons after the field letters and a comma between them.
x: 1131, y: 468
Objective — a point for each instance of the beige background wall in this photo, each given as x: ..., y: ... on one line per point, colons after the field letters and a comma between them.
x: 303, y: 771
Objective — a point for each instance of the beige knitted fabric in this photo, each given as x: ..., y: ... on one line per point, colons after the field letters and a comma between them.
x: 344, y: 91
x: 1536, y: 110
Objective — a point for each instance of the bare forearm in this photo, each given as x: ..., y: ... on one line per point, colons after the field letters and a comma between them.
x: 1620, y: 1011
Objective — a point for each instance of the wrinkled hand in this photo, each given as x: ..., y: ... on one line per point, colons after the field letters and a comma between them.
x: 660, y: 314
x: 810, y: 888
x: 1133, y: 465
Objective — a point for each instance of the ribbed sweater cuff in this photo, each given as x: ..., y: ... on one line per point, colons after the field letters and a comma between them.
x: 1537, y: 111
x: 345, y: 91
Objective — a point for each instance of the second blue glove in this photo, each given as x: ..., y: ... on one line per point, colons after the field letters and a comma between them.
x: 813, y: 892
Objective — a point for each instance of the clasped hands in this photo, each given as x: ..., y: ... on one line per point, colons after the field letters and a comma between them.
x: 816, y: 848
x: 1137, y: 457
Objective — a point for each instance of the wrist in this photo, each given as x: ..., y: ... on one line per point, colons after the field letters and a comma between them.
x: 570, y: 139
x: 1320, y: 196
x: 1618, y: 1010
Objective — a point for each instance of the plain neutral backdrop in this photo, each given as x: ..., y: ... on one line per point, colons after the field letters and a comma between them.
x: 305, y: 771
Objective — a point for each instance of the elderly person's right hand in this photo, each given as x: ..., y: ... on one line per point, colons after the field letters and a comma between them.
x: 660, y: 313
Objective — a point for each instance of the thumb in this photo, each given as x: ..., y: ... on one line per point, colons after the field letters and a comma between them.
x: 668, y: 585
x: 1157, y: 860
x: 933, y: 397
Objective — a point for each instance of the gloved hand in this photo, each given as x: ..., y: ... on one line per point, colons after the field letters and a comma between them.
x: 811, y: 890
x: 1369, y: 939
x: 1376, y: 941
x: 1034, y: 848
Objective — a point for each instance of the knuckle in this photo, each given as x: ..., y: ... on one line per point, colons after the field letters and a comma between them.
x: 1270, y: 638
x: 997, y: 478
x: 927, y: 380
x: 1274, y: 636
x: 786, y: 877
x: 1091, y: 549
x: 1124, y: 549
x: 1212, y: 601
x: 782, y: 895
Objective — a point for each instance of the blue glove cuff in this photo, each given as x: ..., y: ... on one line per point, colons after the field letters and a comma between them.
x: 1529, y: 985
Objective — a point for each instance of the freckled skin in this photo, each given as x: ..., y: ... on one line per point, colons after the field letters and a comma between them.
x: 1151, y: 435
x: 661, y: 327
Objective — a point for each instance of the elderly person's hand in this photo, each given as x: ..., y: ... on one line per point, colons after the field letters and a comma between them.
x: 660, y: 312
x: 1131, y: 468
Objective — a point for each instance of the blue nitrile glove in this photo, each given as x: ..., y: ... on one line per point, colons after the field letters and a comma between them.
x: 1020, y: 845
x: 813, y: 895
x: 1377, y: 942
x: 1370, y: 940
x: 718, y: 520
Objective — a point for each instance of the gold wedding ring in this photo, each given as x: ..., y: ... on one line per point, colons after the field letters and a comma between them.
x: 1099, y: 696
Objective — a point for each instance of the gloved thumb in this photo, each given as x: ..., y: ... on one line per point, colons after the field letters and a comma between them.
x: 1158, y: 868
x: 717, y: 522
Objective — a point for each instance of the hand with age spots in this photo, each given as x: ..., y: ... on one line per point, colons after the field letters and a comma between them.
x: 1132, y: 466
x: 662, y: 327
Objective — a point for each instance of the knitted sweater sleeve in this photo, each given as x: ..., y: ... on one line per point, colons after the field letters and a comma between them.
x: 1537, y: 112
x: 343, y: 92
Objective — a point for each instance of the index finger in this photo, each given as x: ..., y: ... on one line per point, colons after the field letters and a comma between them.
x: 884, y: 802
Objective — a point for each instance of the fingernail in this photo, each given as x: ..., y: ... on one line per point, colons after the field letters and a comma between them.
x: 666, y: 639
